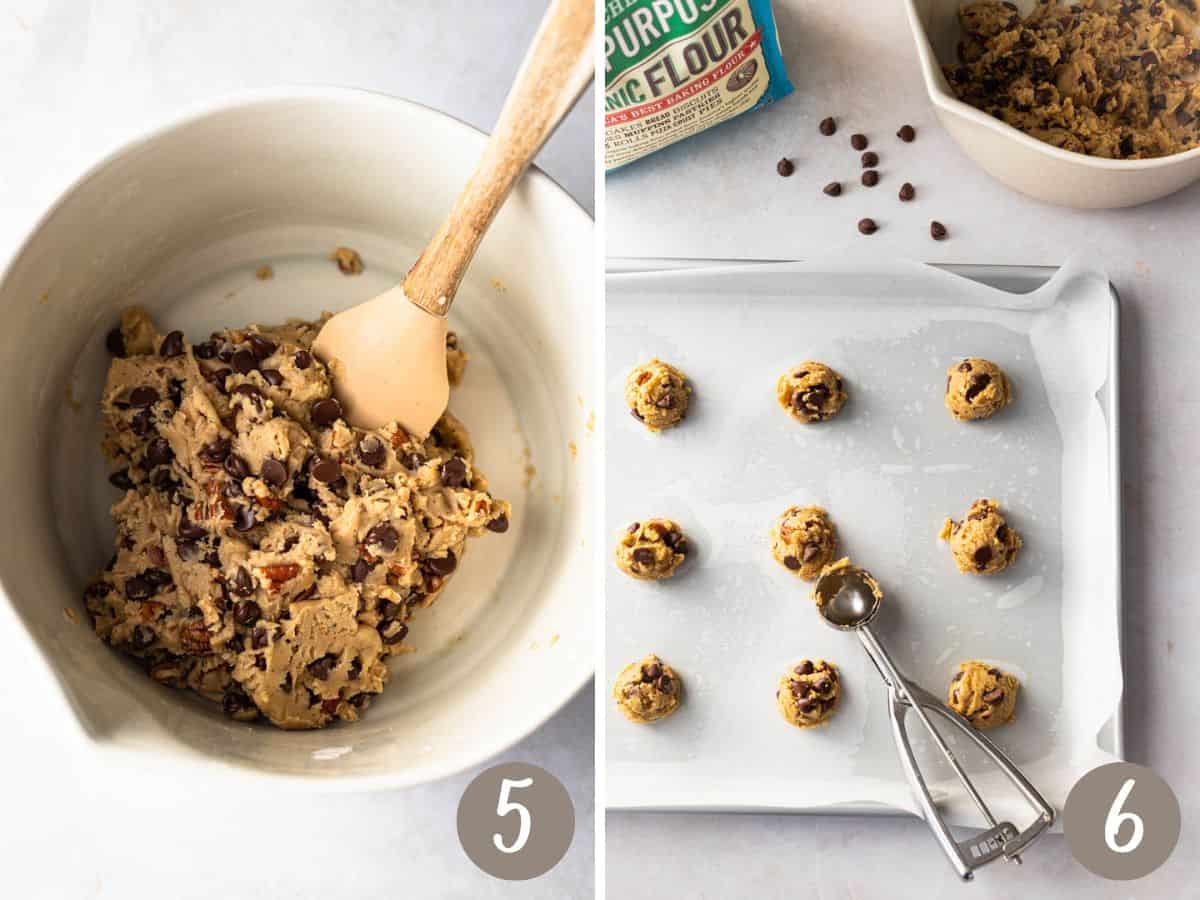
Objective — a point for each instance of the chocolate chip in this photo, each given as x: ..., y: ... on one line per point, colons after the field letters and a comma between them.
x: 785, y: 167
x: 907, y: 192
x: 157, y: 578
x: 388, y: 610
x: 121, y: 480
x: 260, y: 346
x: 811, y: 551
x: 206, y: 350
x: 906, y: 133
x: 372, y: 452
x: 325, y: 412
x: 142, y: 422
x: 326, y: 471
x: 651, y: 672
x: 870, y: 178
x: 996, y: 695
x: 1126, y: 146
x: 805, y: 668
x: 828, y: 126
x: 247, y: 612
x: 273, y: 377
x: 870, y: 159
x: 806, y: 704
x: 499, y: 524
x: 190, y: 530
x: 1002, y: 533
x: 833, y: 189
x: 643, y: 556
x: 440, y: 565
x: 172, y: 345
x: 243, y: 520
x: 983, y: 556
x: 664, y: 683
x: 867, y: 226
x: 274, y: 472
x: 138, y: 588
x: 385, y: 537
x: 979, y: 382
x: 822, y: 685
x: 1148, y: 59
x: 937, y: 231
x: 359, y: 571
x: 791, y: 562
x: 286, y: 685
x: 412, y: 461
x: 243, y: 362
x: 302, y: 359
x: 158, y: 453
x: 323, y: 667
x: 454, y: 472
x: 217, y: 378
x: 143, y: 636
x: 234, y: 702
x: 114, y: 342
x: 243, y: 582
x: 236, y: 467
x: 858, y: 141
x: 141, y: 397
x: 215, y: 452
x: 397, y: 636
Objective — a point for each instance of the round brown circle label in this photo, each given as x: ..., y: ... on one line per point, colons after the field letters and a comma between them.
x: 515, y: 821
x: 1121, y: 821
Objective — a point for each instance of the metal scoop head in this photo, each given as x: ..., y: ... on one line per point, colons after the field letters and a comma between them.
x: 847, y: 597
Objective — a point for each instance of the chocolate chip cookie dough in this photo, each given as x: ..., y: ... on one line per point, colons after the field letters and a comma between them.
x: 1109, y: 78
x: 982, y: 543
x: 657, y: 394
x: 268, y: 554
x: 652, y: 549
x: 804, y: 540
x: 982, y: 694
x: 811, y: 392
x: 808, y: 694
x: 976, y: 389
x: 647, y: 690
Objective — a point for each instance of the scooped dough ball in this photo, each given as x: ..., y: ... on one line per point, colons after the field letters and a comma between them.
x: 804, y: 540
x: 983, y: 695
x: 808, y: 694
x: 657, y: 394
x: 811, y: 392
x: 651, y: 550
x: 976, y: 389
x: 647, y: 690
x: 983, y: 543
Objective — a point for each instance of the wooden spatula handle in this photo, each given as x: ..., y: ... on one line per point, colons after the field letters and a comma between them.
x: 555, y: 72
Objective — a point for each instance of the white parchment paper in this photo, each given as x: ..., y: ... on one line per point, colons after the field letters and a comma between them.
x: 888, y: 469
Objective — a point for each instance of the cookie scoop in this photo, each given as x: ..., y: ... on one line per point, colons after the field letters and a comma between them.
x: 388, y: 355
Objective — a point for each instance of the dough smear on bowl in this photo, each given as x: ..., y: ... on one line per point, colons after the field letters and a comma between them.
x: 268, y: 554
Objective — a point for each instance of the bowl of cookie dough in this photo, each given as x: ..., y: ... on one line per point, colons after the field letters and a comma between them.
x: 1035, y: 95
x: 205, y: 576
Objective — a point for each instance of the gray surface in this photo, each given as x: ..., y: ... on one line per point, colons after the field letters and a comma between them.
x: 869, y: 77
x: 75, y: 80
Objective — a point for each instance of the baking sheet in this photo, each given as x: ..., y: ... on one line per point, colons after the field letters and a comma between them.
x: 888, y: 469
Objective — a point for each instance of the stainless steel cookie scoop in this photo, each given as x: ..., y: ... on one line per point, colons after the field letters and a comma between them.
x: 848, y: 599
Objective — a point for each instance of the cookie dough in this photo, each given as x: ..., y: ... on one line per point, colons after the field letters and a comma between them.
x: 982, y: 543
x: 811, y: 392
x: 657, y: 394
x: 647, y: 690
x: 268, y: 554
x: 982, y: 694
x: 348, y: 261
x: 834, y: 568
x: 976, y: 389
x: 808, y: 694
x: 651, y: 550
x: 804, y: 540
x: 1109, y: 78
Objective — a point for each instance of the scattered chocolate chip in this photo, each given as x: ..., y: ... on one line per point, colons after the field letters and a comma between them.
x: 190, y: 530
x: 273, y: 377
x: 142, y: 422
x: 979, y: 383
x: 243, y: 582
x: 651, y: 672
x: 806, y: 704
x: 454, y: 472
x: 142, y: 637
x: 215, y: 452
x: 325, y: 412
x: 870, y: 159
x: 236, y: 467
x: 243, y: 362
x: 274, y: 472
x: 870, y: 178
x: 785, y: 167
x: 983, y: 556
x: 907, y: 192
x: 811, y: 552
x: 805, y: 668
x: 302, y: 359
x: 217, y: 378
x: 260, y: 346
x: 833, y: 189
x: 440, y: 565
x: 233, y: 702
x: 397, y: 636
x: 499, y: 524
x: 643, y: 556
x: 372, y: 452
x: 388, y: 610
x: 385, y: 537
x: 158, y: 453
x: 114, y: 342
x: 138, y: 588
x: 937, y: 231
x: 243, y: 521
x: 327, y: 471
x: 206, y: 350
x: 359, y: 571
x: 828, y: 126
x: 906, y: 133
x: 323, y: 667
x: 791, y: 562
x: 664, y: 683
x: 172, y: 345
x: 1002, y: 533
x: 867, y: 226
x: 141, y: 397
x: 247, y: 612
x: 120, y: 479
x: 858, y: 141
x: 996, y: 695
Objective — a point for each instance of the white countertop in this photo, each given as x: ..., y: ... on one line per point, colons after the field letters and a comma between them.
x: 77, y: 79
x: 719, y: 196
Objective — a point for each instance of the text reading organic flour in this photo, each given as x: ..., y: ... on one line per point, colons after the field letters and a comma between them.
x: 676, y: 67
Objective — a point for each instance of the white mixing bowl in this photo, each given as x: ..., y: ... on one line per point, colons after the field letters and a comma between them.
x: 178, y: 221
x: 1022, y: 162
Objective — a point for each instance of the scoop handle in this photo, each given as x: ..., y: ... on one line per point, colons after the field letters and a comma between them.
x: 555, y: 71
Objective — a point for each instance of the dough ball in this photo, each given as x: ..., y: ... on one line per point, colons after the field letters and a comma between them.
x: 811, y: 392
x: 804, y: 540
x: 842, y: 565
x: 983, y: 543
x: 657, y: 394
x: 976, y: 389
x: 647, y: 690
x: 983, y: 695
x: 808, y: 694
x: 652, y: 549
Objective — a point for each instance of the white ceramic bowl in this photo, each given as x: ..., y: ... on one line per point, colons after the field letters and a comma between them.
x: 1022, y: 162
x: 178, y: 221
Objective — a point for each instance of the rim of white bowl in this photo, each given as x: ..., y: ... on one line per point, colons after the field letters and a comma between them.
x: 233, y: 769
x: 931, y: 72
